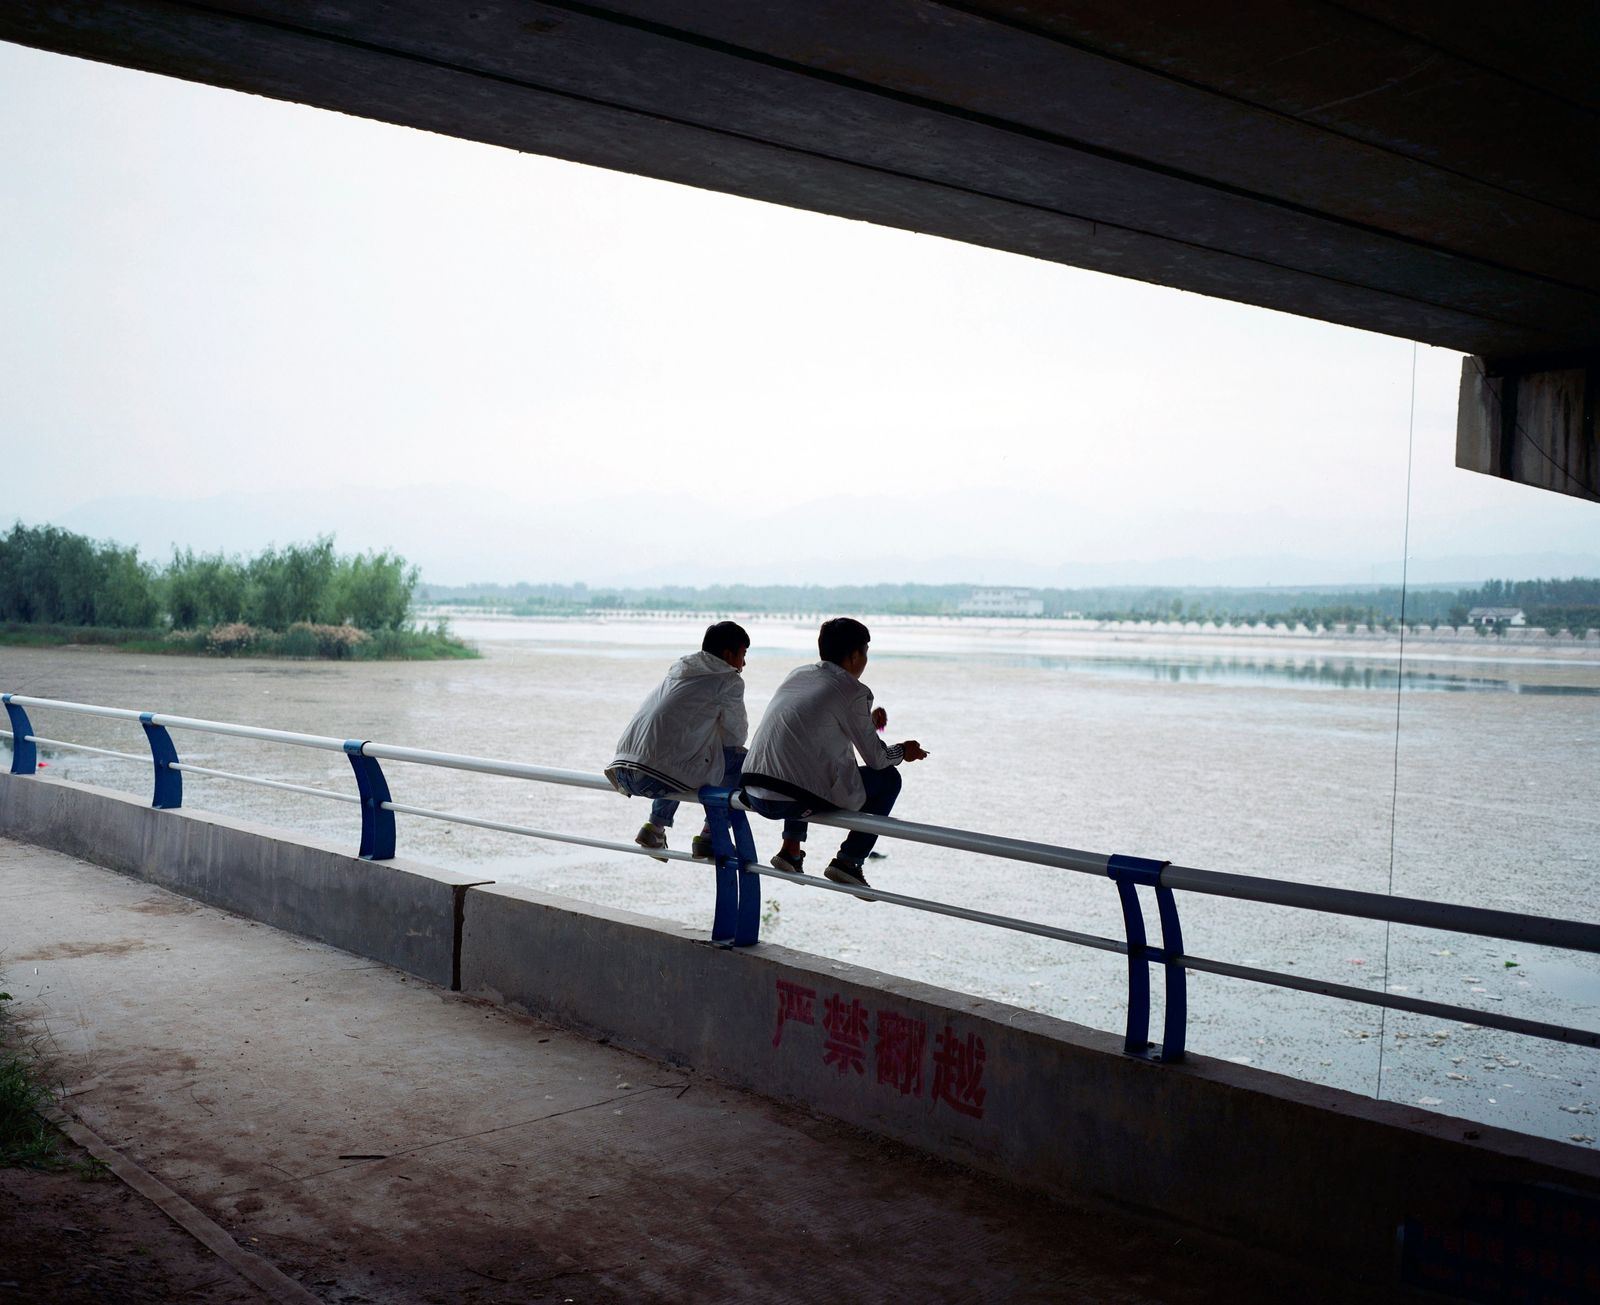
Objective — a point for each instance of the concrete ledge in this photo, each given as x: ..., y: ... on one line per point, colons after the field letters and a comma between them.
x: 1311, y: 1171
x: 398, y: 912
x: 1319, y: 1174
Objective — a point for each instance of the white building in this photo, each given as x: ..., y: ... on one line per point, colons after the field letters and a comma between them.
x: 1002, y: 602
x: 1495, y: 615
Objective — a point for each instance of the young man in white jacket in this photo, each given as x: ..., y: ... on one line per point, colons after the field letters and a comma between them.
x: 689, y: 732
x: 803, y: 757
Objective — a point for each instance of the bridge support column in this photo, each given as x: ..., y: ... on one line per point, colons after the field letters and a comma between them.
x: 1532, y: 420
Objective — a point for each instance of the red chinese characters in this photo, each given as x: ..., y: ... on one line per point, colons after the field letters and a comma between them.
x: 846, y: 1045
x: 794, y: 1003
x: 898, y: 1051
x: 958, y: 1072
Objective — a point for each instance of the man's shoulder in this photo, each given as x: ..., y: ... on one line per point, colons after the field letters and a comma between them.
x: 801, y: 676
x: 843, y: 681
x: 836, y: 685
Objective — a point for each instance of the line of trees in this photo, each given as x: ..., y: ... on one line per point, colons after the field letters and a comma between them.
x: 52, y: 576
x: 1554, y: 604
x: 526, y: 599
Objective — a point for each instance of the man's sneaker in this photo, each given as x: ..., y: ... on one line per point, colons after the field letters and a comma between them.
x: 701, y: 847
x: 847, y: 872
x: 790, y: 865
x: 651, y: 836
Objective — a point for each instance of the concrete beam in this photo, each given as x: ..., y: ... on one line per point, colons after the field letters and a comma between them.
x: 1368, y: 168
x: 1531, y: 421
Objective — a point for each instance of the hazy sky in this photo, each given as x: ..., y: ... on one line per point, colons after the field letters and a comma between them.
x: 229, y: 321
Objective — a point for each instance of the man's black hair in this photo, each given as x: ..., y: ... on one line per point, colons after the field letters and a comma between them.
x: 724, y: 637
x: 840, y: 637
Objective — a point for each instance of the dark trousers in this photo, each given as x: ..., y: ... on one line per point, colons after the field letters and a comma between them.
x: 883, y: 787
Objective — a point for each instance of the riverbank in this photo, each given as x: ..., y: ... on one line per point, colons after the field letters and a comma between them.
x: 1255, y: 753
x: 990, y: 637
x: 300, y: 642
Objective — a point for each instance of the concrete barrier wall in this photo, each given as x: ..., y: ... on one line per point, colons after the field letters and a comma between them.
x: 398, y: 912
x: 1310, y: 1171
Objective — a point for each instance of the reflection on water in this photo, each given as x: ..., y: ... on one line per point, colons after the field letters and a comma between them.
x: 1566, y: 980
x: 1304, y: 673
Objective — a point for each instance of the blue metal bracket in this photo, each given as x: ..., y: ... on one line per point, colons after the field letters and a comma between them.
x: 24, y: 755
x: 1128, y: 873
x: 169, y: 782
x: 736, y: 919
x: 377, y: 823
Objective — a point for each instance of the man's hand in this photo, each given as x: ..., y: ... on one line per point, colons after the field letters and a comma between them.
x: 913, y: 750
x: 880, y: 718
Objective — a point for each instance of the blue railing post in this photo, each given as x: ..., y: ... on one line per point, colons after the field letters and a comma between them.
x: 1136, y: 1040
x: 24, y: 755
x: 377, y: 823
x: 719, y: 821
x: 748, y: 931
x: 169, y: 782
x: 1128, y: 872
x: 736, y: 919
x: 1175, y: 1021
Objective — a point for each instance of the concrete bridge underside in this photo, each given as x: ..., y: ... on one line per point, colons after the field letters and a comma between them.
x: 1422, y: 169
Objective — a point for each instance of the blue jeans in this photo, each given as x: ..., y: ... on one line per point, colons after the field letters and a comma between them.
x: 883, y: 787
x: 633, y: 783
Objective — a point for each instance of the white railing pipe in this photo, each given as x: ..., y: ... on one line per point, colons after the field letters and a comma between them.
x: 1512, y: 926
x: 489, y: 766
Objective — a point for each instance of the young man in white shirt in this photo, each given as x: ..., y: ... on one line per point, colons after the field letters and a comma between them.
x: 689, y: 732
x: 803, y: 757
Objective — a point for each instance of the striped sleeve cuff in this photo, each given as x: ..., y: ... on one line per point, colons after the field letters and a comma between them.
x: 897, y: 754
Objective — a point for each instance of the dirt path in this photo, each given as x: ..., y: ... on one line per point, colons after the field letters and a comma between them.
x: 72, y: 1239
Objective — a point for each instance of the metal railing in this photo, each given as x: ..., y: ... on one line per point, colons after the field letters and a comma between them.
x: 736, y: 917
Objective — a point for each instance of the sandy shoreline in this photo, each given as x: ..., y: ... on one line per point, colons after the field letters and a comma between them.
x: 1528, y: 646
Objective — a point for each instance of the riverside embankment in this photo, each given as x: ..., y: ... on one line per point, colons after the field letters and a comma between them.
x: 1262, y: 754
x: 1228, y: 1151
x: 379, y: 1138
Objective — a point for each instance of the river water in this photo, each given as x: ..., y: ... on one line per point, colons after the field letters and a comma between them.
x: 1290, y: 757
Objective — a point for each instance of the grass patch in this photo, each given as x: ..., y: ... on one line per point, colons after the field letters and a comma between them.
x: 26, y: 1138
x: 302, y: 641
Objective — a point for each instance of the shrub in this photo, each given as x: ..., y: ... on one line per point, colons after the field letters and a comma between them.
x: 230, y: 640
x: 338, y: 642
x: 25, y: 1138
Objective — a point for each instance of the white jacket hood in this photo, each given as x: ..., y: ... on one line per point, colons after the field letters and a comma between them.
x: 699, y: 663
x: 680, y: 730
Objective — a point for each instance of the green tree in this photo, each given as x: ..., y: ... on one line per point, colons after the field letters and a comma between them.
x: 292, y: 584
x: 373, y: 590
x: 126, y: 595
x: 52, y: 576
x: 204, y: 591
